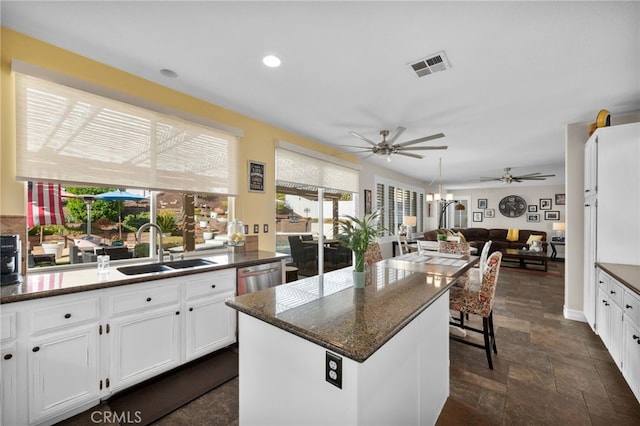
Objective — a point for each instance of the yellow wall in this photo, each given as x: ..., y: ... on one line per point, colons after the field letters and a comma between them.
x: 257, y: 144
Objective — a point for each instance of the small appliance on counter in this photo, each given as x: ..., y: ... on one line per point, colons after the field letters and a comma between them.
x: 10, y: 251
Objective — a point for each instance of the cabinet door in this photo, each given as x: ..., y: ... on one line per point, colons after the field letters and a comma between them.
x: 615, y: 332
x: 211, y: 325
x: 631, y: 356
x: 590, y: 272
x: 603, y: 316
x: 144, y: 345
x: 63, y: 372
x: 591, y: 166
x: 618, y: 195
x: 9, y: 385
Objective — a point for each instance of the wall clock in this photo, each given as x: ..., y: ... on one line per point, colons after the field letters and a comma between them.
x: 512, y: 206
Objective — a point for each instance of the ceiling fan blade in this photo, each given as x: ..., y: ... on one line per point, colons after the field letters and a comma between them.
x: 423, y: 139
x: 540, y: 177
x: 408, y: 154
x: 396, y: 134
x: 530, y: 174
x: 355, y: 146
x: 423, y: 148
x: 486, y: 179
x: 359, y: 136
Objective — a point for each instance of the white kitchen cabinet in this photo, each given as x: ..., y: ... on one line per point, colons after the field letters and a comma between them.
x: 610, y: 315
x: 62, y: 356
x: 63, y: 372
x: 591, y: 166
x: 602, y: 312
x: 210, y: 324
x: 631, y: 342
x: 631, y: 356
x: 618, y: 221
x: 144, y: 331
x: 590, y: 246
x: 9, y: 358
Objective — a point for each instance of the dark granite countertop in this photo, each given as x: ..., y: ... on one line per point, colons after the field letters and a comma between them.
x: 628, y: 275
x: 328, y: 311
x: 55, y: 282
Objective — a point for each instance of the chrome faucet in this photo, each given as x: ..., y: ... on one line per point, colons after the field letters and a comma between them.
x: 158, y: 232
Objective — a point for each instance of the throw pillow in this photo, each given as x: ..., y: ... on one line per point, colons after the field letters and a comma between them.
x: 513, y: 234
x: 533, y: 238
x: 462, y: 238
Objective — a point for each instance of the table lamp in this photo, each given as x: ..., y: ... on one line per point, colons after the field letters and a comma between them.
x: 407, y: 223
x: 559, y: 228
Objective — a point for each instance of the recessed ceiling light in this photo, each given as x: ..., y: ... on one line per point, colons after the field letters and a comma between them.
x: 169, y: 73
x: 271, y: 61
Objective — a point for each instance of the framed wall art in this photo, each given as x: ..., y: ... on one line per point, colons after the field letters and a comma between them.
x: 533, y: 217
x: 489, y: 213
x: 560, y: 199
x: 477, y: 216
x: 367, y: 201
x: 532, y: 208
x: 256, y: 176
x: 482, y: 203
x: 552, y: 215
x: 545, y: 203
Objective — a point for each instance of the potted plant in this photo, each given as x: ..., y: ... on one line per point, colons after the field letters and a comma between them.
x: 208, y: 233
x: 357, y: 234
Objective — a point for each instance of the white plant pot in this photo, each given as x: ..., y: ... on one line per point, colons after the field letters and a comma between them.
x: 53, y: 248
x: 207, y: 235
x: 204, y: 223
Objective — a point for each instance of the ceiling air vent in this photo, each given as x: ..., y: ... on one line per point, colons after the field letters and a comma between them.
x: 434, y: 63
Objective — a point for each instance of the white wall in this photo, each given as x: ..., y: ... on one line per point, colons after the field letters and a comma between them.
x: 531, y: 194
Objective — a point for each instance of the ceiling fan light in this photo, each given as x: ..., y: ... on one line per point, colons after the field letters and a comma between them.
x: 449, y: 197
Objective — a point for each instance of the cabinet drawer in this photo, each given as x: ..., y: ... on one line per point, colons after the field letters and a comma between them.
x: 64, y: 315
x: 7, y: 326
x: 149, y: 297
x: 631, y: 306
x: 210, y: 283
x: 616, y: 292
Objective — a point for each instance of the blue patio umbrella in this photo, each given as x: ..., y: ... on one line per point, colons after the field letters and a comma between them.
x: 119, y: 195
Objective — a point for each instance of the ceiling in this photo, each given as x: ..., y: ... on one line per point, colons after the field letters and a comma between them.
x: 520, y: 71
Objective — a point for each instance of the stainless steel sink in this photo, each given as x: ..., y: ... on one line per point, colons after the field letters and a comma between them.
x: 189, y: 263
x: 143, y: 269
x: 162, y: 267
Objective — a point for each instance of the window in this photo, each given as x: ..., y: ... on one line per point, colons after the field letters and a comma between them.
x: 89, y: 140
x: 107, y: 219
x: 313, y: 192
x: 395, y: 201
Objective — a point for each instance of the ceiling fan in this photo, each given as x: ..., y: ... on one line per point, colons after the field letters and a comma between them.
x: 388, y: 146
x: 507, y: 177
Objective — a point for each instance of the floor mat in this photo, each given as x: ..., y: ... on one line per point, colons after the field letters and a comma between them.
x: 159, y: 396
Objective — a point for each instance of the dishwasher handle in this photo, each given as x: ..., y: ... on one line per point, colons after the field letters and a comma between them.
x: 250, y: 273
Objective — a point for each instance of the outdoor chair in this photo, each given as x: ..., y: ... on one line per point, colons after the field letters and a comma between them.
x: 303, y: 256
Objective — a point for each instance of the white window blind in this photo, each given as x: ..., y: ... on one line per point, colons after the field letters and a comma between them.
x: 395, y: 202
x: 68, y: 135
x: 296, y: 166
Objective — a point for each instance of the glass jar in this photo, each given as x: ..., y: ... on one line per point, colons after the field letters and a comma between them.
x: 235, y: 232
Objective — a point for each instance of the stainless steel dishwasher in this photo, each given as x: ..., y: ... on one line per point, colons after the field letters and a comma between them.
x: 259, y: 277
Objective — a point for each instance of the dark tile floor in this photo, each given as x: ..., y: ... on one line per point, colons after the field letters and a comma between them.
x: 548, y: 371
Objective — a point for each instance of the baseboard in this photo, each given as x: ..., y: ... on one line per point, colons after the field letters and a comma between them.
x: 573, y: 314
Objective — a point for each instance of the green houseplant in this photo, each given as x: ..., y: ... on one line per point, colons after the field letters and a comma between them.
x: 357, y: 234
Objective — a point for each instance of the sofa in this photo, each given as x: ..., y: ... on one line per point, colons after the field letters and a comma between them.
x: 477, y: 237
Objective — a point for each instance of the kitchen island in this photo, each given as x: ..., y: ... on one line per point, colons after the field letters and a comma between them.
x: 318, y: 351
